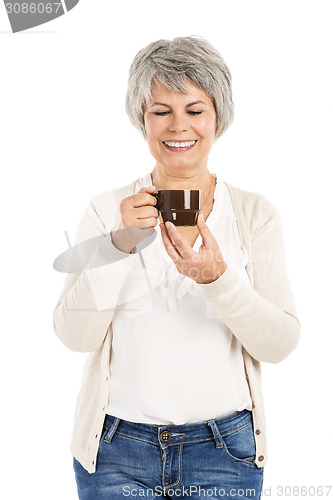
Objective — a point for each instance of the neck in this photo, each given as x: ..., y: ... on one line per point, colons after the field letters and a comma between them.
x: 163, y: 179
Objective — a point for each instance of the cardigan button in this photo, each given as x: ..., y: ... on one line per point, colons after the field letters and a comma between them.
x: 261, y: 458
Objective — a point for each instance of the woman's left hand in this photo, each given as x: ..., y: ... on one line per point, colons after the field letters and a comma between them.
x: 203, y: 267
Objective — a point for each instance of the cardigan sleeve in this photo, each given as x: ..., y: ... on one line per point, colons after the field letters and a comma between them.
x: 263, y: 317
x: 87, y: 303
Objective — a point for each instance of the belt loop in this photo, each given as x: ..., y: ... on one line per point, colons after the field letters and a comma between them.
x: 112, y: 430
x: 216, y: 433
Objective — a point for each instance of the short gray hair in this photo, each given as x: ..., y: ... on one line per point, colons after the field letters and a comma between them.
x: 172, y: 62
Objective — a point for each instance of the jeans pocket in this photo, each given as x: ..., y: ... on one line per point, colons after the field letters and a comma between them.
x: 105, y: 430
x: 240, y: 444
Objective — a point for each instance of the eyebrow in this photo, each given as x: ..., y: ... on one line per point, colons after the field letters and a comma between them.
x: 187, y: 105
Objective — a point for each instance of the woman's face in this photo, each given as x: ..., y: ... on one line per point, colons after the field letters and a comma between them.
x: 172, y: 119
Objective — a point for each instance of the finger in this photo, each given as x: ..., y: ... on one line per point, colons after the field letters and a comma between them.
x: 148, y: 189
x: 130, y: 218
x: 180, y: 243
x: 145, y: 211
x: 208, y: 239
x: 169, y: 246
x: 142, y: 199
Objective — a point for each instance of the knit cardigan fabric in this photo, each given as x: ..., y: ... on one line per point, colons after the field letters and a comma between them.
x: 262, y: 317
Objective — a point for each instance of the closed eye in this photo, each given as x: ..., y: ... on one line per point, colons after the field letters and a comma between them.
x: 164, y: 113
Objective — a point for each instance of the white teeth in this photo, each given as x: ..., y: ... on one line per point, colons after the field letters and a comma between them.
x: 180, y: 144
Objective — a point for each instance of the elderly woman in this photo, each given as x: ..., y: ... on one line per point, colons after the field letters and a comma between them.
x: 171, y: 401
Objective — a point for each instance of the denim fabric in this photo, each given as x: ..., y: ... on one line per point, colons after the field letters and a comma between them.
x: 209, y: 459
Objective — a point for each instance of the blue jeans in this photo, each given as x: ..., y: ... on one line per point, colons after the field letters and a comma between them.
x: 209, y: 459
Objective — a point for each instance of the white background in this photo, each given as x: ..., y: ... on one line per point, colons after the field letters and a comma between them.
x: 65, y: 136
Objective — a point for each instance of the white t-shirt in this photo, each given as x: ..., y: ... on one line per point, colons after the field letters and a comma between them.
x: 173, y: 359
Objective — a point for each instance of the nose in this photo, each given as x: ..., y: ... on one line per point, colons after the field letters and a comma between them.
x: 178, y: 123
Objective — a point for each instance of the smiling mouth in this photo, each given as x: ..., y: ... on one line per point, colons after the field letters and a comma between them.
x: 178, y: 145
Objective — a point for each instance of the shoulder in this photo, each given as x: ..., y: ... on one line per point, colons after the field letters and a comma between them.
x: 252, y: 207
x: 116, y: 194
x: 111, y: 198
x: 103, y: 208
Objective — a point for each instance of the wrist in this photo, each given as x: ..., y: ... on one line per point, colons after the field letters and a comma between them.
x: 222, y: 268
x: 217, y: 274
x: 120, y: 241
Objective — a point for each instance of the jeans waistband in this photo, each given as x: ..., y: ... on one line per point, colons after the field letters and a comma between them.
x: 178, y: 434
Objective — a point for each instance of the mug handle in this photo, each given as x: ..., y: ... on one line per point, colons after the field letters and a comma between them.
x: 155, y: 196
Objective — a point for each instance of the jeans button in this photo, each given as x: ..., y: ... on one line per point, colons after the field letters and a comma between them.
x: 165, y: 436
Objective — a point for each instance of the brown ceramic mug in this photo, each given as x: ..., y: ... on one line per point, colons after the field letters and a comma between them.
x: 179, y: 206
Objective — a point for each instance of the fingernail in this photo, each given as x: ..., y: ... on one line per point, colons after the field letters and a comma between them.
x: 201, y: 217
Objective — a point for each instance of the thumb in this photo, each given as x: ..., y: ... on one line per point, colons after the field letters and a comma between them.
x: 208, y: 239
x: 149, y: 189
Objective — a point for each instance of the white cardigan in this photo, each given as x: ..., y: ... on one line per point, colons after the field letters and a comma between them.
x: 263, y: 317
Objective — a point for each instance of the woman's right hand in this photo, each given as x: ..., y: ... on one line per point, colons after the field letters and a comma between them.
x: 139, y: 216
